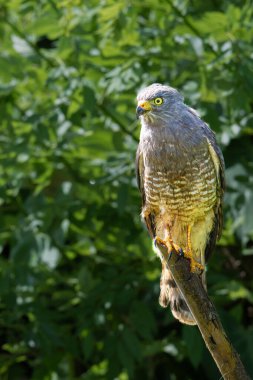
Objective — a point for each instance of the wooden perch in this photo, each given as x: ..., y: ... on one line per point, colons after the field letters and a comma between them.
x: 227, y: 359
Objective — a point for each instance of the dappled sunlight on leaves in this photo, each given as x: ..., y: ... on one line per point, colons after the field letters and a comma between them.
x: 79, y: 281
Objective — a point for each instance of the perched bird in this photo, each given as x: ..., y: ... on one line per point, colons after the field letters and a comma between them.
x: 180, y: 172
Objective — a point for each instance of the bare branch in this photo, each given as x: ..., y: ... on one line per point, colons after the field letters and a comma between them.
x: 226, y: 358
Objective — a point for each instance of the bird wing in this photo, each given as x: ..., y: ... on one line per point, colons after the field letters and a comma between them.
x: 149, y: 218
x: 139, y: 166
x: 219, y: 165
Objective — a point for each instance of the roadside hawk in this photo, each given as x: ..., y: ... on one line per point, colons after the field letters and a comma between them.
x: 180, y: 172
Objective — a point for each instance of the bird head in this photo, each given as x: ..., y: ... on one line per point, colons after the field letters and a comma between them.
x: 156, y: 101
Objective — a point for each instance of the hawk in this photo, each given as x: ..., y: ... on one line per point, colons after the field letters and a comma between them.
x: 180, y: 173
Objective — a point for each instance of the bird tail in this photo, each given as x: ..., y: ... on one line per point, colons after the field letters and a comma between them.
x: 171, y: 295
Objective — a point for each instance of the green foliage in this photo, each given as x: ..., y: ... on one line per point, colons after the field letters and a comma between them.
x: 78, y: 279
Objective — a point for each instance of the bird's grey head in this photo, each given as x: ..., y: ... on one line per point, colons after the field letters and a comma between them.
x: 157, y: 102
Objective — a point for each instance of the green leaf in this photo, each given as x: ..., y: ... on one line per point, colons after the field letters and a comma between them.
x: 194, y: 344
x: 46, y: 25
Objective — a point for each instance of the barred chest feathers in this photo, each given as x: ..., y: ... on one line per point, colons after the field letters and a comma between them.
x: 178, y: 176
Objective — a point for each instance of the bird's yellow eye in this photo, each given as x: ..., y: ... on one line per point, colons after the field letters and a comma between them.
x: 158, y: 101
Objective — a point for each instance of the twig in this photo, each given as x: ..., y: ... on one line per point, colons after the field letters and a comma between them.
x: 226, y: 358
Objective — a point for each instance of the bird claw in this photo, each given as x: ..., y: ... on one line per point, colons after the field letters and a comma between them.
x: 158, y: 240
x: 196, y: 267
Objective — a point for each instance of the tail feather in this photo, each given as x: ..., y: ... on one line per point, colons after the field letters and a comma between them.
x: 171, y: 295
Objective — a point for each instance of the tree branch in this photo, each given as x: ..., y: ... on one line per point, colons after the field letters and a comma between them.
x: 226, y: 358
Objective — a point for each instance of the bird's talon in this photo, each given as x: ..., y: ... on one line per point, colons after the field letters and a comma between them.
x: 196, y: 267
x: 158, y: 240
x: 170, y: 254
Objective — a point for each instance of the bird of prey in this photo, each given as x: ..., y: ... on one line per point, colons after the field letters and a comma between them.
x: 180, y: 173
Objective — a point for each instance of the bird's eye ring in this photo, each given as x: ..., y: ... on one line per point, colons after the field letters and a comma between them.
x: 158, y: 101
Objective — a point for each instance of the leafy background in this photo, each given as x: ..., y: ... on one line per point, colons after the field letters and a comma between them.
x: 78, y: 279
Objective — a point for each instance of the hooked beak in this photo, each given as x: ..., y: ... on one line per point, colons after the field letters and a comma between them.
x: 142, y: 107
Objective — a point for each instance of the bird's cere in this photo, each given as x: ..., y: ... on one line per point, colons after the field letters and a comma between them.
x: 142, y: 107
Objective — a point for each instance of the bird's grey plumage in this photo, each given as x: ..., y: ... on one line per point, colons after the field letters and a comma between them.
x: 180, y: 171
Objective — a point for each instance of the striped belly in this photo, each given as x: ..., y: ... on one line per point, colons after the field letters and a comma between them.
x: 188, y: 196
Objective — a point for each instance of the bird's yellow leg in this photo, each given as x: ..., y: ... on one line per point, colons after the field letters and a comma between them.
x: 195, y: 266
x: 168, y: 242
x: 173, y: 246
x: 165, y: 242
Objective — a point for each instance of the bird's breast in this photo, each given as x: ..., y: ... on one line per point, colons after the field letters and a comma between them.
x: 179, y: 181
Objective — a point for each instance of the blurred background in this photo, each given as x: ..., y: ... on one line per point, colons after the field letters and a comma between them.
x: 79, y: 282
